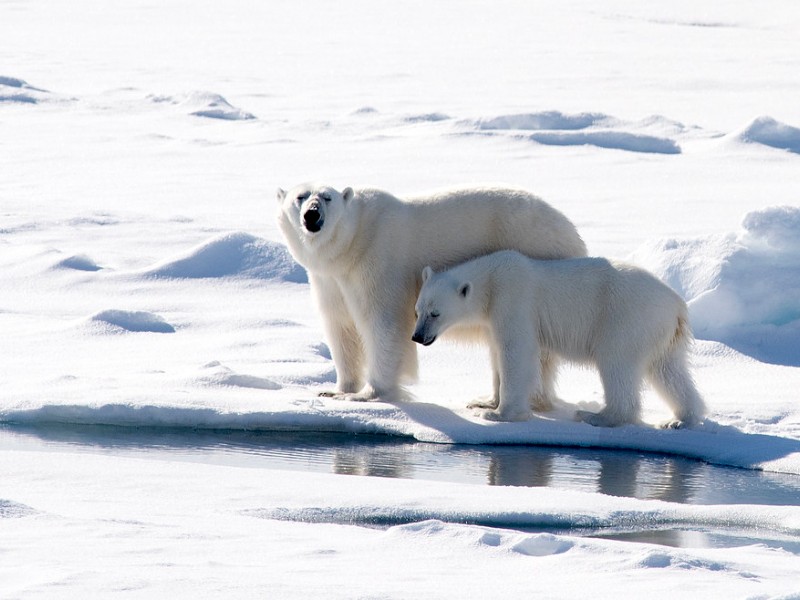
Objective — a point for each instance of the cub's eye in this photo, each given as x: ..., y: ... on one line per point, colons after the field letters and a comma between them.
x: 435, y: 314
x: 325, y: 197
x: 303, y: 197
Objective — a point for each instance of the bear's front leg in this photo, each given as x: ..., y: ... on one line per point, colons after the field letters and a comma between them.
x: 519, y: 363
x: 343, y: 339
x: 390, y: 353
x: 492, y: 401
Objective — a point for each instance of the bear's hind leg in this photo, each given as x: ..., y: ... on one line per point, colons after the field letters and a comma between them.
x: 671, y: 378
x: 543, y: 399
x: 622, y: 389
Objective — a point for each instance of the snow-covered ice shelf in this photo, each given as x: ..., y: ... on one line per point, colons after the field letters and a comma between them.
x: 143, y: 281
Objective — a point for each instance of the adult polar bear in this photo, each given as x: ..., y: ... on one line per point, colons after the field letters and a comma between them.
x: 364, y: 251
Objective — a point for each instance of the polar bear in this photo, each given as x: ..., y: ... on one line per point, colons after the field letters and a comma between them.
x: 620, y: 318
x: 364, y: 250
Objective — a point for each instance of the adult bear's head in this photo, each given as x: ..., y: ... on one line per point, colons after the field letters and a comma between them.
x: 312, y: 211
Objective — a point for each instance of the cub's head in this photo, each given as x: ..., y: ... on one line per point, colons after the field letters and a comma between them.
x: 444, y: 300
x: 310, y: 211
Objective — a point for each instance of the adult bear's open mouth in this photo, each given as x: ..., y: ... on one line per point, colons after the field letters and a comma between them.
x: 312, y: 221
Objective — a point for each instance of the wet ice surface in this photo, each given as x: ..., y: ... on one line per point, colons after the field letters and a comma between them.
x: 614, y: 473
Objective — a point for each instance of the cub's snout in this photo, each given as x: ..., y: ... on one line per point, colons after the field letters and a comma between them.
x: 421, y: 338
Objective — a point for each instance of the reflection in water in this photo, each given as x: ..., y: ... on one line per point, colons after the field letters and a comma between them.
x: 614, y: 473
x: 630, y: 474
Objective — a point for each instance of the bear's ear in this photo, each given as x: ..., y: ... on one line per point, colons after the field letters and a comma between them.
x: 465, y: 289
x: 426, y: 274
x: 347, y: 193
x: 281, y: 195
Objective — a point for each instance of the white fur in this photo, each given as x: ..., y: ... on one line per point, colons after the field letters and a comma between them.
x: 618, y: 317
x: 365, y: 258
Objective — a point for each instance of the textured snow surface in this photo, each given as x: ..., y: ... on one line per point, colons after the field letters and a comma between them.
x: 145, y: 283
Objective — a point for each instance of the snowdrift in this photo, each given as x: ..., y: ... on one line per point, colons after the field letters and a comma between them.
x: 19, y: 91
x: 743, y: 289
x: 236, y: 254
x: 205, y: 104
x: 554, y: 128
x: 769, y: 132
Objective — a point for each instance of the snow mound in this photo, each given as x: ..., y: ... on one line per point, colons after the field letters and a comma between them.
x: 613, y: 140
x: 538, y: 121
x: 135, y: 321
x: 554, y: 128
x: 206, y: 104
x: 236, y: 254
x: 743, y: 289
x: 433, y: 117
x: 218, y: 374
x: 12, y: 510
x: 79, y: 262
x: 19, y: 91
x: 769, y: 132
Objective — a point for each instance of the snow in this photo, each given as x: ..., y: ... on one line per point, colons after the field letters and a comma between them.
x: 743, y: 288
x: 145, y: 283
x: 766, y: 130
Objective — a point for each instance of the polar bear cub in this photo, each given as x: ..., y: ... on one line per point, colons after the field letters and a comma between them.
x: 618, y: 317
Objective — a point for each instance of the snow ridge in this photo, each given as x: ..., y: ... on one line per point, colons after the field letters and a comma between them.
x: 769, y: 132
x: 19, y: 91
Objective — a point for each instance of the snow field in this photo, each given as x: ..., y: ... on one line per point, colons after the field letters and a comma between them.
x: 144, y: 282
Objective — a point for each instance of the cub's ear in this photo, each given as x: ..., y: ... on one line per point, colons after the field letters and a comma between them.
x: 465, y: 289
x: 348, y: 193
x: 281, y: 195
x: 426, y: 274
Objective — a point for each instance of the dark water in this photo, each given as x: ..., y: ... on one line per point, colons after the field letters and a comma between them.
x: 614, y: 473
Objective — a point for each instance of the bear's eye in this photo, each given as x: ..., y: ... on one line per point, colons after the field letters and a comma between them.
x: 435, y: 314
x: 325, y: 197
x: 303, y: 197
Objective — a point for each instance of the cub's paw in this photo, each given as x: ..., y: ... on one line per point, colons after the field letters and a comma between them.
x: 600, y: 419
x: 677, y: 423
x: 360, y: 397
x: 541, y: 403
x: 484, y: 402
x: 499, y: 415
x: 370, y: 394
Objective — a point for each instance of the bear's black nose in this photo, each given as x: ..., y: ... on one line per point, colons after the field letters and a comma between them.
x: 419, y: 338
x: 312, y: 220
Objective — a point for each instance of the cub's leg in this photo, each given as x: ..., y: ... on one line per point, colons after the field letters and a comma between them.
x: 671, y: 378
x: 542, y: 399
x: 622, y: 380
x: 519, y: 363
x: 493, y: 400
